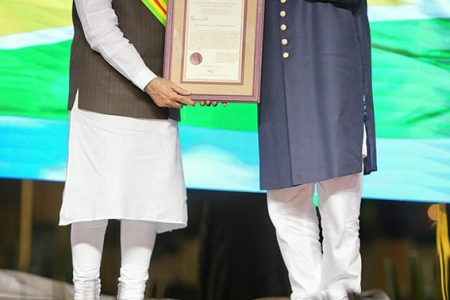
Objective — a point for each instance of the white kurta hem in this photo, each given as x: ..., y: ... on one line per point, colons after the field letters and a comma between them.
x: 124, y: 168
x: 161, y: 226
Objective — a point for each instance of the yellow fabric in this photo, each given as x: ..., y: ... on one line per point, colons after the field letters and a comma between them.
x: 443, y: 247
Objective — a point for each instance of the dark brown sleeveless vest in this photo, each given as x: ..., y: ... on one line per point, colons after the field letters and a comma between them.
x: 101, y: 88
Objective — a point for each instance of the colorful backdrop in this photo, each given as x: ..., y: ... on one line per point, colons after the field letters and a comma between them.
x: 411, y: 58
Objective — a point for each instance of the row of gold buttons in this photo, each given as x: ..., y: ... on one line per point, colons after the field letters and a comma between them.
x: 283, y: 27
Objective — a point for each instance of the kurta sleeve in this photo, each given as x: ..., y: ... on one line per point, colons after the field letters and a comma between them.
x: 102, y: 30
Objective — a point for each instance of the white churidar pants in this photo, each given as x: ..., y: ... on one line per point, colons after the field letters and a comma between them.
x: 137, y: 242
x: 316, y: 272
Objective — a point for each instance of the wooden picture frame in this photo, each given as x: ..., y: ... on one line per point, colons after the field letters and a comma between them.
x: 213, y: 48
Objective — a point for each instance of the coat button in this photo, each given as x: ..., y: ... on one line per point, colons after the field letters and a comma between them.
x: 283, y: 27
x: 284, y: 42
x: 282, y: 13
x: 285, y: 55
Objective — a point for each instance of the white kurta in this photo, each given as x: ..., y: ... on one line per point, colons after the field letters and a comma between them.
x: 119, y: 167
x: 124, y: 168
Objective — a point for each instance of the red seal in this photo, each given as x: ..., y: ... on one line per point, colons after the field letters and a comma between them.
x: 196, y: 58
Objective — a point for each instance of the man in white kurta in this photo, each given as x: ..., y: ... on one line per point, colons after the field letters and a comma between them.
x: 121, y: 167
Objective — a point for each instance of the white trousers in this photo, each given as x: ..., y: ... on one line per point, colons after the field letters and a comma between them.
x: 318, y: 271
x: 137, y: 241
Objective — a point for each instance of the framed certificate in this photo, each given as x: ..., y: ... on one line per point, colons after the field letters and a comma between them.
x: 214, y: 48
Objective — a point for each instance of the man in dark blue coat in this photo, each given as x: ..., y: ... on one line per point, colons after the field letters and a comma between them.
x: 316, y: 129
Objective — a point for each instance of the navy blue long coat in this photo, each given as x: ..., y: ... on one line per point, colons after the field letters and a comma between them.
x: 316, y: 92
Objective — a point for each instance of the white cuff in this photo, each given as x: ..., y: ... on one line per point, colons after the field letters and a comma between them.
x: 143, y: 78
